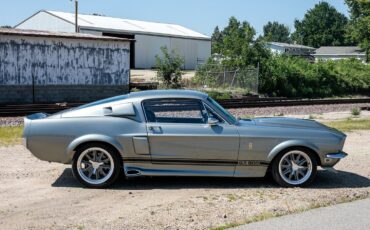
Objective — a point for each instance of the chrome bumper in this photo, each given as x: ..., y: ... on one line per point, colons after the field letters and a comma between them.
x: 338, y: 155
x: 332, y: 159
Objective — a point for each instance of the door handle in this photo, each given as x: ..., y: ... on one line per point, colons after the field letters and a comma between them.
x: 155, y: 128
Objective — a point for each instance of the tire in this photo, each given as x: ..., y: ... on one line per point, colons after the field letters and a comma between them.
x: 294, y: 167
x: 96, y: 165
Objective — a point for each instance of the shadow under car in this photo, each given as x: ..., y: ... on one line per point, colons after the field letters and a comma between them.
x: 324, y: 179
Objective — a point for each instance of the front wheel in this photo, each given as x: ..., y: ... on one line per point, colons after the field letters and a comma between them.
x: 96, y: 165
x: 294, y: 168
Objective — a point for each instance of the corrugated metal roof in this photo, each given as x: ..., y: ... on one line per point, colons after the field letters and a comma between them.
x: 39, y: 33
x: 339, y: 50
x: 287, y: 45
x: 131, y: 26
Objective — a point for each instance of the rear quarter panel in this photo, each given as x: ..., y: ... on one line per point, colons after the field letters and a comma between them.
x: 55, y: 140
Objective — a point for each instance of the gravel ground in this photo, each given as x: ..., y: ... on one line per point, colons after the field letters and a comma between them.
x: 269, y: 111
x: 11, y: 121
x: 41, y: 195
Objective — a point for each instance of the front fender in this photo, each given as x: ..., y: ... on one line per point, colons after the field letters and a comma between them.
x: 91, y: 138
x: 291, y: 143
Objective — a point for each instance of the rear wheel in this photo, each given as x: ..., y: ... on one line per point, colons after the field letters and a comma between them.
x: 96, y: 165
x: 294, y: 168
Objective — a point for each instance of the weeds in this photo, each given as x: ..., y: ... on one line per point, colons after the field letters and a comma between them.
x: 356, y: 112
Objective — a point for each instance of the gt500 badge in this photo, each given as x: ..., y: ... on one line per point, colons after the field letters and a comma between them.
x: 252, y: 163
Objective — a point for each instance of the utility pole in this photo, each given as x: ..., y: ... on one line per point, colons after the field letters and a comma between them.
x: 76, y: 17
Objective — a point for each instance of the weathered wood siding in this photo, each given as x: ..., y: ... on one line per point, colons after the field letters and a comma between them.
x: 61, y: 61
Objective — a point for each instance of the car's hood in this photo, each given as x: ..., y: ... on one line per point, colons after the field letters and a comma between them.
x: 285, y: 122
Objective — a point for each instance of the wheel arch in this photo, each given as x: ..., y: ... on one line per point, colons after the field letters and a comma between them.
x: 92, y: 138
x: 293, y: 145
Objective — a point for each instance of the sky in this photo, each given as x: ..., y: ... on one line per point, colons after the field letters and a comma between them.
x: 199, y: 15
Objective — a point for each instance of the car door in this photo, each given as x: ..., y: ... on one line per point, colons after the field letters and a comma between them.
x: 179, y: 134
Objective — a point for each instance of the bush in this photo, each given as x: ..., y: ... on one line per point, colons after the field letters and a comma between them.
x: 356, y: 111
x: 135, y: 90
x: 219, y: 95
x: 169, y: 68
x: 296, y: 77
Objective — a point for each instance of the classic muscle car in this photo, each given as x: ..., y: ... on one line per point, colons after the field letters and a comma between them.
x: 179, y: 133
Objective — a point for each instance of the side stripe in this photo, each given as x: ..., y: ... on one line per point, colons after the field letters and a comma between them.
x: 171, y: 161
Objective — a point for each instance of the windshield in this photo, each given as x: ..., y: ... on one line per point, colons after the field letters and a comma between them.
x: 223, y: 111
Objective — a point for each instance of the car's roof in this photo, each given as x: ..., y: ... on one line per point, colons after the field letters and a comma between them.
x: 167, y: 93
x: 148, y: 94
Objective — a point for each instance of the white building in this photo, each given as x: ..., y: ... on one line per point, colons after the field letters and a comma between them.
x: 339, y: 52
x: 290, y: 49
x: 149, y: 36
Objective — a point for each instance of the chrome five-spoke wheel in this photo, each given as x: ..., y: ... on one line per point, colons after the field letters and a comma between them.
x: 96, y: 165
x: 294, y: 167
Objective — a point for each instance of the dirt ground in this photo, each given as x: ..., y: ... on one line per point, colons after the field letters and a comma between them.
x: 41, y: 195
x: 146, y: 75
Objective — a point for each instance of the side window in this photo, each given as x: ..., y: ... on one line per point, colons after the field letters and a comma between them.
x: 175, y: 111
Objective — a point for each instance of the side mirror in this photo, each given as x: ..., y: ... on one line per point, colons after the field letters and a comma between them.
x: 126, y: 109
x: 212, y: 121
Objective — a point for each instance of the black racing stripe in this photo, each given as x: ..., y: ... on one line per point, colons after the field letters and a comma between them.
x: 181, y: 161
x: 199, y: 162
x: 193, y: 163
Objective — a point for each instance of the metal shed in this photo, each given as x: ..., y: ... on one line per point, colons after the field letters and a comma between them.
x: 149, y: 36
x: 39, y: 67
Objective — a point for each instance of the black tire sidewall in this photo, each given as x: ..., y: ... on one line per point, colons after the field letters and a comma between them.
x: 117, y: 161
x: 275, y: 168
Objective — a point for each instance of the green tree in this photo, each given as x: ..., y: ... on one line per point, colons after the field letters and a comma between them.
x: 358, y: 8
x: 239, y: 47
x: 216, y: 40
x: 321, y: 26
x: 358, y: 29
x: 169, y: 68
x: 276, y: 32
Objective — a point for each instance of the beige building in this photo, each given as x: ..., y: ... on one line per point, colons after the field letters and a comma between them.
x: 339, y: 52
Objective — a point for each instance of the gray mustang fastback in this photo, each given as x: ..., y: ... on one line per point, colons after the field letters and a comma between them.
x: 179, y: 133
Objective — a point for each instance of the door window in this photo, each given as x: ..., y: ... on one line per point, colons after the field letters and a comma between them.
x: 175, y: 111
x: 213, y: 115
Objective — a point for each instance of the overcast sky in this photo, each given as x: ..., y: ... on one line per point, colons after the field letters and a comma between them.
x: 199, y: 15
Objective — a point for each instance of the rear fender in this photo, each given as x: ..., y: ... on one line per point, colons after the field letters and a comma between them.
x: 28, y: 120
x: 91, y: 138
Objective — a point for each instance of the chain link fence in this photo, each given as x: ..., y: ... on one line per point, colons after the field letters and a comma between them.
x: 219, y: 77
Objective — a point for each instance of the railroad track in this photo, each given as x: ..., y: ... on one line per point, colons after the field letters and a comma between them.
x: 26, y: 109
x: 274, y: 102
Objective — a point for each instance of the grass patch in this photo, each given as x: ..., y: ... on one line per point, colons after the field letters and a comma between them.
x: 349, y: 125
x: 10, y: 135
x: 231, y: 197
